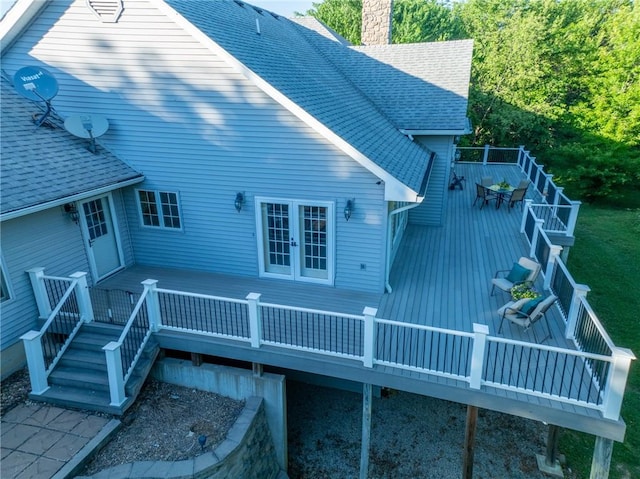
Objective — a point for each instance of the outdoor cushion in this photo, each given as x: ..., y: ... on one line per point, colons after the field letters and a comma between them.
x: 518, y: 273
x: 532, y: 304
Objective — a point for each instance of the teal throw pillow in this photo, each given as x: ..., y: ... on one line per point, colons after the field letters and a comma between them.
x: 518, y: 273
x: 529, y: 306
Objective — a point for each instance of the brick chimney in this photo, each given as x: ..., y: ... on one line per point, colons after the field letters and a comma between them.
x: 376, y: 22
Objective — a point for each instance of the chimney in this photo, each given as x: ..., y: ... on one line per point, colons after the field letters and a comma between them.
x: 376, y: 22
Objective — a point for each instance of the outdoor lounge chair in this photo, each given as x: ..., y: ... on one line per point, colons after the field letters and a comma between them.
x: 517, y: 196
x: 526, y: 312
x: 525, y: 270
x: 484, y: 194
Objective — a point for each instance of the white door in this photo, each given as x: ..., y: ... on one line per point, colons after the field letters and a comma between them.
x: 104, y: 250
x: 295, y: 240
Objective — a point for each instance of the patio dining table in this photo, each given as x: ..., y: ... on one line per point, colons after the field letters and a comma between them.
x: 501, y: 191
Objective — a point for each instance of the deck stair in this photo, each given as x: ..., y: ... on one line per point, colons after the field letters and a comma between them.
x: 80, y: 380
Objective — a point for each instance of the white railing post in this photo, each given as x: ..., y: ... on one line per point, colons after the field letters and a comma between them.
x: 369, y: 335
x: 35, y: 361
x: 616, y: 382
x: 536, y: 236
x: 255, y: 321
x: 528, y: 203
x: 480, y: 333
x: 82, y: 296
x: 554, y: 254
x: 153, y: 304
x: 485, y: 155
x: 114, y: 372
x: 579, y: 291
x: 36, y: 275
x: 573, y: 217
x: 521, y: 154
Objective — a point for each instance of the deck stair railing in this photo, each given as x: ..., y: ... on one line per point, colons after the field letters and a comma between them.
x: 63, y: 304
x: 473, y: 358
x: 122, y: 355
x: 559, y: 207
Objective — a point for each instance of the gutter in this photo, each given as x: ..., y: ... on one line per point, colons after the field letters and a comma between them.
x: 68, y: 199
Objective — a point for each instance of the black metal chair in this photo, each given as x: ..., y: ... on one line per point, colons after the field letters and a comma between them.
x: 484, y: 194
x: 517, y: 196
x: 516, y: 312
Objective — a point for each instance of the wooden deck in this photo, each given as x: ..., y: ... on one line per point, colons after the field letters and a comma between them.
x: 441, y: 278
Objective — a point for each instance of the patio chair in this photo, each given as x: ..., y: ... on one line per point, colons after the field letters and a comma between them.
x: 486, y: 181
x: 484, y: 194
x: 526, y: 312
x: 525, y: 270
x: 517, y: 196
x: 523, y: 184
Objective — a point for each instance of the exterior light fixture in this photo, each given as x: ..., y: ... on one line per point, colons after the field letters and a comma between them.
x: 458, y: 154
x: 239, y: 202
x: 348, y: 208
x: 72, y: 211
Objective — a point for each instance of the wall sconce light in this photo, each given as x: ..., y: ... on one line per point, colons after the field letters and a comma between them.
x: 239, y: 202
x: 456, y: 139
x: 458, y: 155
x: 72, y: 211
x: 348, y: 208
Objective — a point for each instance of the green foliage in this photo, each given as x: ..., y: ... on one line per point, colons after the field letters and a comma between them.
x: 605, y: 256
x: 422, y: 21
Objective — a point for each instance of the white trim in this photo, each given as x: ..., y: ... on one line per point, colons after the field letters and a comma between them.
x: 17, y: 18
x: 433, y: 132
x: 294, y: 229
x: 394, y: 189
x: 69, y: 199
x: 6, y: 280
x: 116, y: 235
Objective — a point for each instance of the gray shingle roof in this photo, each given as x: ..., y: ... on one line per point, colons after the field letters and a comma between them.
x: 43, y: 165
x: 301, y: 64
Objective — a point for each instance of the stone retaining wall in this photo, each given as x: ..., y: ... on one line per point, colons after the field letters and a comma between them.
x: 247, y: 452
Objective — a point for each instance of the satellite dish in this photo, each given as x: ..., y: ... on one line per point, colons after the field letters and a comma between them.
x: 87, y: 126
x: 35, y: 83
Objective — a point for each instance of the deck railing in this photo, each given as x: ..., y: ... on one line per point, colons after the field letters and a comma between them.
x: 72, y: 306
x: 582, y: 378
x: 560, y: 208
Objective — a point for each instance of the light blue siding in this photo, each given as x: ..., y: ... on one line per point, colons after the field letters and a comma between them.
x: 431, y: 211
x: 192, y: 125
x: 46, y: 239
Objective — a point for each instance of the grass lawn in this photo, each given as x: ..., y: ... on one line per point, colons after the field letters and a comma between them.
x: 606, y: 257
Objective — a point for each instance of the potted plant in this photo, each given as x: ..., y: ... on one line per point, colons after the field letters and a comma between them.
x: 524, y: 290
x: 504, y: 184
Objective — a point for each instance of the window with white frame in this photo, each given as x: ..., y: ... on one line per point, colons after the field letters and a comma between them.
x: 4, y: 286
x: 159, y: 209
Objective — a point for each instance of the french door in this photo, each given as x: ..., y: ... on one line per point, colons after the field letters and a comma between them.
x: 295, y: 239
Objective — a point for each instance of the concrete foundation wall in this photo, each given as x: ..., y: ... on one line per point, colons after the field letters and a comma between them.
x: 236, y: 384
x: 12, y: 359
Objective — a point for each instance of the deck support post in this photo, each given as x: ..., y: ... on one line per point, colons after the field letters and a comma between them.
x: 255, y: 322
x: 601, y: 462
x: 536, y: 237
x: 82, y: 296
x: 36, y: 275
x: 579, y: 291
x: 258, y: 369
x: 525, y: 213
x: 196, y: 359
x: 366, y: 431
x: 35, y: 361
x: 469, y: 441
x: 549, y: 463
